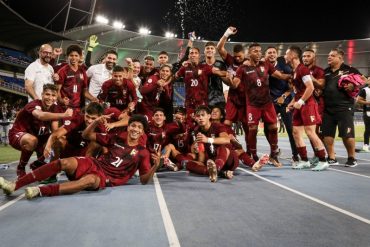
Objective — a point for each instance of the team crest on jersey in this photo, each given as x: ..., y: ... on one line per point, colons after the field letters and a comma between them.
x: 81, y: 76
x: 67, y: 122
x: 124, y: 91
x: 133, y: 152
x: 262, y: 69
x: 150, y: 81
x: 199, y: 71
x: 312, y: 119
x: 38, y: 107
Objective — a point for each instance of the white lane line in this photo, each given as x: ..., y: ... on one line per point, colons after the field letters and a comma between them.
x: 352, y: 173
x: 11, y: 202
x: 168, y: 224
x: 340, y: 210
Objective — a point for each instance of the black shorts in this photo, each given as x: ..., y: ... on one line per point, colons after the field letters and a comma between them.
x: 343, y: 120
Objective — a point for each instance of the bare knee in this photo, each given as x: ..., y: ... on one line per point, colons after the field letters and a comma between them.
x: 29, y: 143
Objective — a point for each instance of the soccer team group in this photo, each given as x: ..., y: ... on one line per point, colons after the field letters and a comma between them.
x: 101, y: 123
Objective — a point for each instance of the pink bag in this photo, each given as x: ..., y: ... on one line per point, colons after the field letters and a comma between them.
x: 354, y: 79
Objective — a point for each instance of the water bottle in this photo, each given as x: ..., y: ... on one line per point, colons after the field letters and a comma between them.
x: 51, y: 155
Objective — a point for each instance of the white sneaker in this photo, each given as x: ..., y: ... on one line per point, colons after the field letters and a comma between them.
x: 365, y: 148
x: 32, y: 192
x: 7, y: 186
x: 302, y: 165
x: 322, y: 165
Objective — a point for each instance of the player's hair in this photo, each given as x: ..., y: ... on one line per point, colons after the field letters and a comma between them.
x: 270, y: 47
x: 158, y: 109
x: 111, y: 52
x: 135, y: 60
x: 181, y: 110
x: 195, y: 48
x: 50, y: 86
x: 310, y: 50
x: 166, y: 65
x: 118, y: 68
x: 139, y: 118
x: 296, y: 50
x: 210, y: 43
x: 222, y: 110
x: 339, y: 51
x: 253, y: 45
x: 73, y: 48
x: 202, y: 108
x: 94, y: 108
x: 149, y: 57
x: 163, y: 53
x: 238, y: 48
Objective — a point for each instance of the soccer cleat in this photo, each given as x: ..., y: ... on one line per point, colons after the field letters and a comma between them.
x: 302, y: 165
x: 170, y: 165
x: 332, y: 162
x: 51, y: 180
x: 260, y: 163
x: 32, y: 192
x: 351, y: 162
x: 322, y: 165
x: 7, y: 186
x: 212, y: 170
x: 275, y: 162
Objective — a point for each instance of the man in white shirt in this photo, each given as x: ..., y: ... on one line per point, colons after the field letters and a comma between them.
x: 39, y: 73
x: 100, y: 73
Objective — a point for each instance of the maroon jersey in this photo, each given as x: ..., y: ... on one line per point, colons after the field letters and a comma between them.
x: 73, y: 84
x: 301, y: 74
x: 235, y: 95
x: 152, y: 94
x: 318, y: 73
x: 214, y: 131
x: 118, y: 96
x: 196, y: 84
x: 161, y: 135
x: 122, y: 161
x: 26, y: 122
x: 256, y: 82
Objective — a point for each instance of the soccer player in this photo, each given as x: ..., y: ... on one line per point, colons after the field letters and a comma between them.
x: 216, y: 159
x: 115, y: 168
x: 72, y: 83
x: 236, y: 99
x: 119, y: 92
x: 259, y: 103
x: 158, y: 88
x: 318, y: 79
x: 196, y: 82
x: 34, y: 124
x: 305, y: 114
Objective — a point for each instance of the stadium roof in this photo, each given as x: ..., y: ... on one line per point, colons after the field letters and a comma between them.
x: 19, y: 34
x: 135, y: 45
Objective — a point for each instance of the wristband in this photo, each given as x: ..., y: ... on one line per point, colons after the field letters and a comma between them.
x: 301, y: 102
x: 210, y: 140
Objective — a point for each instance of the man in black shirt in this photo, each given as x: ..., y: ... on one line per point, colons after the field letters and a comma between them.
x: 339, y: 108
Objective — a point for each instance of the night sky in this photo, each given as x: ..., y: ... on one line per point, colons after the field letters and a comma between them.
x: 258, y: 21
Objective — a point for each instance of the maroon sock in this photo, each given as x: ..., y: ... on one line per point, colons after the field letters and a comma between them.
x: 232, y: 162
x: 49, y: 190
x: 273, y: 140
x: 181, y: 157
x: 246, y: 159
x: 246, y: 131
x: 321, y: 154
x: 25, y: 157
x: 252, y: 141
x: 196, y: 168
x: 303, y: 153
x: 39, y: 174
